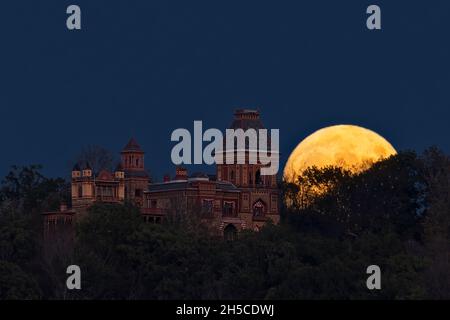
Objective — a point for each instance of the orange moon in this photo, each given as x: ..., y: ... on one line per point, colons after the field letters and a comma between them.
x: 351, y: 147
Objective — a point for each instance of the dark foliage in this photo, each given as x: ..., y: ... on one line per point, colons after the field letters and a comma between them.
x: 335, y: 224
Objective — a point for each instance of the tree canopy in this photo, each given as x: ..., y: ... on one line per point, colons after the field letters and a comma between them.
x: 395, y: 215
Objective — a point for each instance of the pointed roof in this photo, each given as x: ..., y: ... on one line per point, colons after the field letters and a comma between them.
x: 87, y: 166
x: 132, y: 146
x: 105, y: 175
x: 76, y: 167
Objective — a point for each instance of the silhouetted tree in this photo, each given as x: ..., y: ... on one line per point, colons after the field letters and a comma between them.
x: 15, y: 284
x: 396, y: 215
x: 437, y: 223
x: 98, y: 158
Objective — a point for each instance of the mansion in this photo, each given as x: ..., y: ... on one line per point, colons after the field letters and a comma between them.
x: 237, y: 197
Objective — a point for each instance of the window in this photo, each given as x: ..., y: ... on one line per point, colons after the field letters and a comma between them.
x: 232, y: 175
x: 228, y: 208
x: 230, y: 233
x: 137, y: 162
x: 258, y: 179
x: 138, y: 193
x: 258, y: 209
x: 207, y: 207
x: 107, y: 191
x: 153, y: 203
x: 80, y: 191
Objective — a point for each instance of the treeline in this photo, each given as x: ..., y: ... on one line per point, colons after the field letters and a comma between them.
x: 334, y: 225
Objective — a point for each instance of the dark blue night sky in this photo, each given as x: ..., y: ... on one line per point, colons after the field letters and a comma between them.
x: 144, y: 68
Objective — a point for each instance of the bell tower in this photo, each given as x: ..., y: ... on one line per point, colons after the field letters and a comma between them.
x: 247, y: 175
x: 132, y: 156
x: 136, y: 178
x: 82, y: 187
x: 259, y: 193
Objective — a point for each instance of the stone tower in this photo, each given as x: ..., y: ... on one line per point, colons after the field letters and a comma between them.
x: 259, y: 194
x: 82, y: 187
x: 136, y: 178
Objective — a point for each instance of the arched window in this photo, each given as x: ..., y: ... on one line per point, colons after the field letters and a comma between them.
x: 258, y: 180
x: 258, y: 209
x: 230, y: 232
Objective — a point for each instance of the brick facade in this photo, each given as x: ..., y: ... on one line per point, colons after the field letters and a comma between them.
x: 238, y: 197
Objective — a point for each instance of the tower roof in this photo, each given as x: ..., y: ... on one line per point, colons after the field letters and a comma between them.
x: 246, y: 119
x: 76, y: 167
x: 132, y: 146
x: 249, y: 119
x: 87, y: 166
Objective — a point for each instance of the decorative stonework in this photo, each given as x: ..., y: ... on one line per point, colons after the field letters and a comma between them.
x: 237, y: 198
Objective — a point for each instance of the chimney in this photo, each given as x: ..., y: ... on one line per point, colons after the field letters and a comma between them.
x: 166, y: 178
x: 181, y: 173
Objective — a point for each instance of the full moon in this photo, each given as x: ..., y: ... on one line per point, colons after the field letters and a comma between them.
x: 351, y: 147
